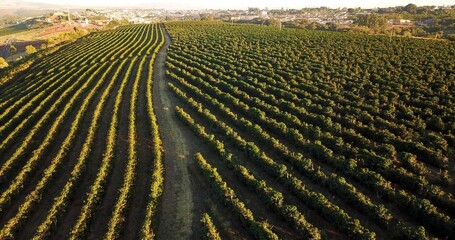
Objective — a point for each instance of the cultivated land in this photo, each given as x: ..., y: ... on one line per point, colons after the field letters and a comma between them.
x: 140, y: 131
x: 79, y: 140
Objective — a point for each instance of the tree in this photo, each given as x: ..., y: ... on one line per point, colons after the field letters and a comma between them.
x: 353, y: 10
x: 207, y: 17
x: 373, y: 21
x: 439, y: 34
x: 312, y: 26
x: 12, y: 49
x: 29, y: 49
x: 411, y: 8
x: 407, y: 33
x: 274, y: 22
x: 3, y: 63
x: 332, y: 26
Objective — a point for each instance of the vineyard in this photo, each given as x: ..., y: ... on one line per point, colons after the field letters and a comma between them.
x: 264, y: 133
x: 317, y: 134
x: 79, y: 142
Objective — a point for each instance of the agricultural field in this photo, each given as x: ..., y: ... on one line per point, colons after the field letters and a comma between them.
x: 211, y: 130
x: 317, y: 134
x: 79, y: 141
x: 13, y: 29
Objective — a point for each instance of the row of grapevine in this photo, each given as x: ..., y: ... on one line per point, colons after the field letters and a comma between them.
x: 378, y: 139
x: 122, y: 202
x: 53, y: 130
x: 66, y: 96
x: 334, y: 183
x: 259, y: 229
x: 157, y: 178
x: 210, y: 232
x: 398, y: 175
x: 93, y: 196
x: 315, y: 200
x: 254, y: 65
x: 316, y: 175
x: 273, y: 198
x: 440, y: 221
x: 24, y: 64
x: 33, y: 197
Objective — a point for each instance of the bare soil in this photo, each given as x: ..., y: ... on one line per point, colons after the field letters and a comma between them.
x: 175, y: 214
x: 187, y: 193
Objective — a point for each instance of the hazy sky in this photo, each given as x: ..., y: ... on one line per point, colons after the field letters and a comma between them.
x: 242, y: 4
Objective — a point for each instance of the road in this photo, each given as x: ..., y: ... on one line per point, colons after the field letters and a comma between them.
x: 175, y: 216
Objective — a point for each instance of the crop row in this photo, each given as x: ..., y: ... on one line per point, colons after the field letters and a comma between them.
x: 72, y: 89
x: 414, y: 205
x: 260, y: 230
x: 378, y: 133
x: 334, y: 183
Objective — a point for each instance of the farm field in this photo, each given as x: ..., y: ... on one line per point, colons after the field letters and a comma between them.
x: 12, y: 29
x: 320, y: 134
x: 189, y: 129
x: 79, y: 141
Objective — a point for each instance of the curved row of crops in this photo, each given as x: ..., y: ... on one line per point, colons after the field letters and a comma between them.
x: 358, y: 128
x: 64, y: 136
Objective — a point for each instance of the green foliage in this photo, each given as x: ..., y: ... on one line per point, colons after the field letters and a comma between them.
x: 116, y: 22
x: 207, y: 17
x: 77, y: 81
x: 273, y: 22
x: 13, y: 49
x: 3, y: 63
x: 210, y: 232
x: 13, y: 29
x: 410, y: 8
x: 375, y: 22
x: 363, y: 105
x: 29, y: 49
x: 260, y: 230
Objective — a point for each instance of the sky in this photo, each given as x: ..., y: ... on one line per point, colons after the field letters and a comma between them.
x: 243, y: 4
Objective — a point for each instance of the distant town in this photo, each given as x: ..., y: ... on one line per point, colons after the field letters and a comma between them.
x: 19, y: 27
x: 322, y: 15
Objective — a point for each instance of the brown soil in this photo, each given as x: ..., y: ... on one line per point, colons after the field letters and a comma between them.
x: 175, y: 214
x: 186, y: 193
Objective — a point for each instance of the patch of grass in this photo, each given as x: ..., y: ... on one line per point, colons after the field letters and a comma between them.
x: 13, y: 29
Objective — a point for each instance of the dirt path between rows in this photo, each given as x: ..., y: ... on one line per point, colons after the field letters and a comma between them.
x: 175, y: 216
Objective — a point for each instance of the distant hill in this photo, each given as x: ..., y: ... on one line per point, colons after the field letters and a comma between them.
x: 19, y: 4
